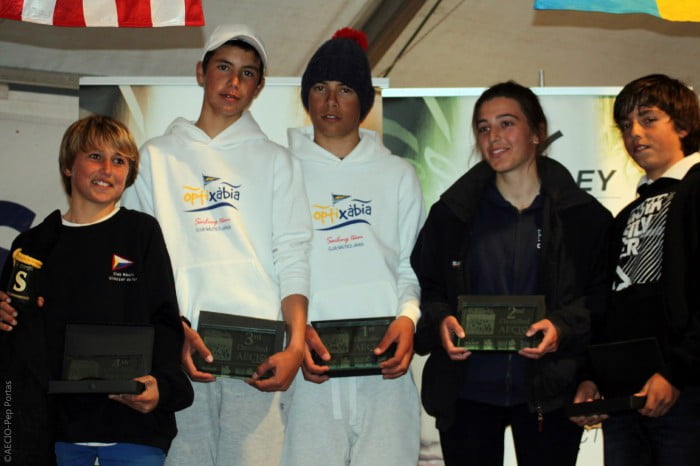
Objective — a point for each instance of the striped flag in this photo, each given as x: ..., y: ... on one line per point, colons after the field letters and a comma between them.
x: 671, y: 10
x: 105, y: 13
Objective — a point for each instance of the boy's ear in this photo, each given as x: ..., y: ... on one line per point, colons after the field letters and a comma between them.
x: 67, y: 172
x: 260, y: 86
x: 199, y: 72
x: 681, y: 133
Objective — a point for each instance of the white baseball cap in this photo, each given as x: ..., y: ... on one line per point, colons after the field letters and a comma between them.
x: 242, y: 32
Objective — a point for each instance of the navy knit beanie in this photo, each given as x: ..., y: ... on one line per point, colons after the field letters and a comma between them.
x: 343, y: 59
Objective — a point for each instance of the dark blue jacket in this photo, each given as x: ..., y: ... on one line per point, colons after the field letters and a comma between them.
x: 572, y: 278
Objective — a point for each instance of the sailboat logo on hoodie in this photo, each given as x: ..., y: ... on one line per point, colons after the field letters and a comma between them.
x: 215, y: 193
x: 343, y: 210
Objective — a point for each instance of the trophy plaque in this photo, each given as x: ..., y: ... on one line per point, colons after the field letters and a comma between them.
x: 351, y: 343
x: 239, y: 344
x: 605, y: 406
x: 640, y: 358
x: 498, y: 322
x: 104, y: 358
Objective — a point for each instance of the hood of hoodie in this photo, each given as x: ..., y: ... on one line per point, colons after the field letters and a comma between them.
x: 244, y: 130
x: 369, y: 150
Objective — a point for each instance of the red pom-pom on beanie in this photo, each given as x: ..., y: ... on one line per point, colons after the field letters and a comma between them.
x: 349, y: 33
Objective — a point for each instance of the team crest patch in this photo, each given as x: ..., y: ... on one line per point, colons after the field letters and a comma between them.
x: 120, y: 263
x: 119, y: 274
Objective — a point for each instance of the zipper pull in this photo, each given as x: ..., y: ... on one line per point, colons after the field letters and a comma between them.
x: 540, y: 418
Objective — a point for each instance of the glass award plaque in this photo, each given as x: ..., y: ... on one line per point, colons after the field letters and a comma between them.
x: 104, y: 358
x: 239, y: 344
x: 498, y: 322
x: 351, y: 343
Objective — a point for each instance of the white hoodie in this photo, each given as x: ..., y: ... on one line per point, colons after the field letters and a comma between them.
x: 234, y: 215
x: 366, y: 212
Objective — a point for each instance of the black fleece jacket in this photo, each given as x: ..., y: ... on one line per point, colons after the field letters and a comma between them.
x: 670, y: 308
x: 81, y: 282
x: 572, y: 278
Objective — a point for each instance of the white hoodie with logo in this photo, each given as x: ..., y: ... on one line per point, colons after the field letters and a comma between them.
x: 234, y: 215
x: 366, y: 211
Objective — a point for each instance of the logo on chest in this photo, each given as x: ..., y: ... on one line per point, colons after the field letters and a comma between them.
x: 343, y: 210
x: 121, y: 270
x: 214, y: 193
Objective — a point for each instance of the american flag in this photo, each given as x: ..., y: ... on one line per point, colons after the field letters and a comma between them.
x: 105, y: 13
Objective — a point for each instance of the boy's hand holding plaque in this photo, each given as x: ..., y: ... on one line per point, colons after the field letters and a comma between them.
x: 105, y: 358
x: 239, y: 344
x: 498, y: 322
x: 620, y: 370
x: 351, y: 344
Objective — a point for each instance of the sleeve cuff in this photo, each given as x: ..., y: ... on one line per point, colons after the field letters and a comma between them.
x: 412, y: 311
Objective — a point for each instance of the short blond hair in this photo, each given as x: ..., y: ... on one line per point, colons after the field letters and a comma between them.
x: 91, y: 132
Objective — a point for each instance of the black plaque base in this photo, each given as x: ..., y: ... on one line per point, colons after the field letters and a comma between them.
x: 605, y: 406
x: 498, y: 322
x: 117, y: 387
x: 239, y: 344
x: 351, y: 343
x: 104, y: 358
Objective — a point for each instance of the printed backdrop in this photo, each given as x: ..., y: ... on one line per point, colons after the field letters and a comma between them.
x: 431, y: 128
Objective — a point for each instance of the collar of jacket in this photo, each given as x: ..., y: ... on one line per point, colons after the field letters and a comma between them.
x: 557, y: 184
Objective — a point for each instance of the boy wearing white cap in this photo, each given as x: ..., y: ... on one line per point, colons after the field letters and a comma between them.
x: 233, y: 211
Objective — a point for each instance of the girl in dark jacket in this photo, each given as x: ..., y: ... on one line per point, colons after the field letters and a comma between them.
x: 514, y: 224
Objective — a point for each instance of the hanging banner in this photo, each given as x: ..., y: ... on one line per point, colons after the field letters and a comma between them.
x: 671, y: 10
x: 105, y: 13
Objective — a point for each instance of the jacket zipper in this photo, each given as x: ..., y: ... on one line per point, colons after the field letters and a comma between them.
x: 509, y: 377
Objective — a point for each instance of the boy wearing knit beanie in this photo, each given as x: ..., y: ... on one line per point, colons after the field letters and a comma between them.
x: 367, y: 208
x: 234, y: 216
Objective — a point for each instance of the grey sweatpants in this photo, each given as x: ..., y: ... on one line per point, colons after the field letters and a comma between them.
x: 361, y: 421
x: 229, y: 423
